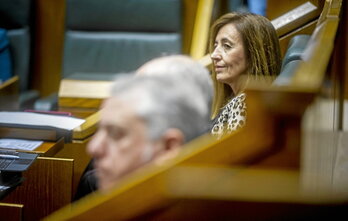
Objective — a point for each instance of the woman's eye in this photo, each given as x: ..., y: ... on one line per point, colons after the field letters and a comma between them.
x: 227, y: 46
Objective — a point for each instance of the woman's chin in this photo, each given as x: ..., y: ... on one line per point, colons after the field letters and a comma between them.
x: 221, y: 78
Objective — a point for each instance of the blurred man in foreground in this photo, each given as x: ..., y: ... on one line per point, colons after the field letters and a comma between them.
x: 191, y: 85
x: 146, y: 118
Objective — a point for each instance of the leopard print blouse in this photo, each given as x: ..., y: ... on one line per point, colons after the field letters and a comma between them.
x: 231, y: 118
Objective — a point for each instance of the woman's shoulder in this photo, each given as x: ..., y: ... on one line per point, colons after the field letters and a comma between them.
x: 239, y: 98
x: 236, y: 102
x: 232, y: 116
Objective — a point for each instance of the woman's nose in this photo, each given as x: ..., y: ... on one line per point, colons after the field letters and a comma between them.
x: 216, y: 55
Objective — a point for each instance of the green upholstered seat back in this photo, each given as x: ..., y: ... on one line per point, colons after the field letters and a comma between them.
x: 16, y: 16
x: 292, y: 58
x: 115, y: 36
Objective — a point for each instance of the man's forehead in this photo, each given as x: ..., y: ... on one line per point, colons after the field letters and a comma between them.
x: 117, y: 108
x: 120, y: 101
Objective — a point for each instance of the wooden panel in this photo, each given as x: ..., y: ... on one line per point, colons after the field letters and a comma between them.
x: 76, y: 97
x: 11, y: 212
x: 219, y: 182
x: 277, y: 8
x: 9, y: 94
x: 87, y: 128
x: 46, y: 188
x: 49, y: 35
x: 296, y: 18
x: 306, y: 29
x: 323, y: 136
x: 77, y: 152
x: 343, y: 42
x: 90, y: 103
x: 78, y: 93
x: 185, y: 193
x: 241, y: 210
x: 190, y: 8
x: 196, y: 23
x: 214, y: 192
x: 49, y: 149
x: 316, y: 58
x: 201, y: 28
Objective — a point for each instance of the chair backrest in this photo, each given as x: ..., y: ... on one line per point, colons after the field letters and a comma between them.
x: 292, y: 58
x: 16, y: 16
x: 5, y: 57
x: 111, y: 36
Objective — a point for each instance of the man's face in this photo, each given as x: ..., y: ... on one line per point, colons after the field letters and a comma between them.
x: 120, y: 144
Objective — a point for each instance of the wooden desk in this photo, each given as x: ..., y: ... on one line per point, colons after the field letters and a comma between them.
x: 11, y: 212
x: 49, y: 184
x: 47, y: 149
x: 46, y: 188
x: 77, y: 94
x: 77, y: 152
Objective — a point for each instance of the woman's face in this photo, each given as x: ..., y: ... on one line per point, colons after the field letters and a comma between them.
x: 229, y: 56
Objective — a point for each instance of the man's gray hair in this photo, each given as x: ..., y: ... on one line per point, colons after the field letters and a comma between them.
x: 165, y: 102
x: 184, y: 67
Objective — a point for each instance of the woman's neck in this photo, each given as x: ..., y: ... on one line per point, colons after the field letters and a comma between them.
x: 238, y: 85
x: 235, y: 87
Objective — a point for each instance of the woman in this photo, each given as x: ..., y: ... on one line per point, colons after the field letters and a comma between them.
x: 243, y: 46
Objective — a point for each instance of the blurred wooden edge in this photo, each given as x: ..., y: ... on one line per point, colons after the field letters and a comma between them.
x: 9, y: 82
x: 311, y: 72
x: 307, y: 29
x: 87, y: 128
x: 295, y: 18
x: 149, y: 181
x: 11, y: 205
x: 49, y: 149
x: 78, y: 93
x: 203, y: 182
x: 201, y: 27
x: 11, y: 211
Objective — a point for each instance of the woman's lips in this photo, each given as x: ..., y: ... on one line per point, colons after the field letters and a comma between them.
x: 219, y: 68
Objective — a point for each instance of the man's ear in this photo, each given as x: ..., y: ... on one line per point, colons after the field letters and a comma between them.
x: 173, y: 138
x: 171, y: 142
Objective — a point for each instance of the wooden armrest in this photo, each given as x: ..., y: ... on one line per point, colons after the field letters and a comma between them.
x: 78, y: 93
x: 87, y: 128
